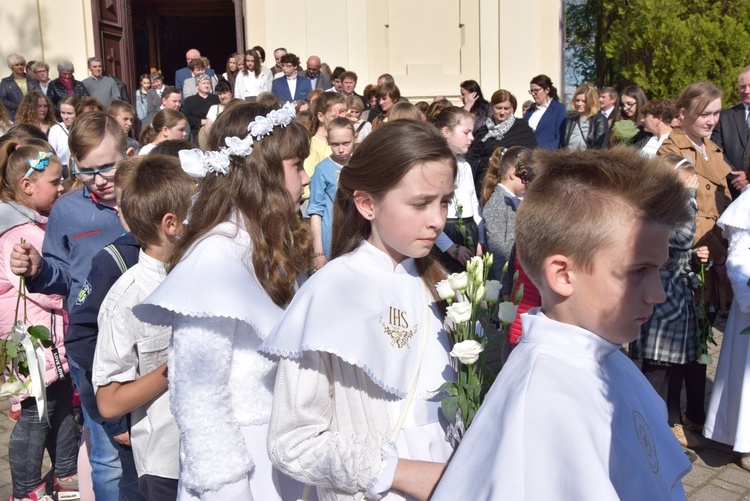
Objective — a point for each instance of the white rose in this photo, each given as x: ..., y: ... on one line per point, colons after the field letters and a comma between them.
x: 467, y: 352
x: 506, y: 312
x: 492, y: 290
x: 12, y: 388
x: 444, y: 290
x: 459, y: 312
x: 459, y: 281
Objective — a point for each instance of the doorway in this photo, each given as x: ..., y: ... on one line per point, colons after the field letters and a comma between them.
x: 163, y: 30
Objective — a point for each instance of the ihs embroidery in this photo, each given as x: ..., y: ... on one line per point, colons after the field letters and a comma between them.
x: 396, y: 328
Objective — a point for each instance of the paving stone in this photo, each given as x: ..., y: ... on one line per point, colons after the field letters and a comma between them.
x: 699, y: 475
x: 736, y: 475
x: 714, y: 493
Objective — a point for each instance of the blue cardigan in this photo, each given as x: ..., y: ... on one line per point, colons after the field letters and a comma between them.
x: 551, y: 128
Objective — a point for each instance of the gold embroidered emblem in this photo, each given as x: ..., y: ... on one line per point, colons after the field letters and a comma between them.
x: 397, y: 328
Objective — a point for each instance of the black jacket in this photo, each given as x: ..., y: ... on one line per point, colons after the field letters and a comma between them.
x: 12, y: 95
x: 597, y: 133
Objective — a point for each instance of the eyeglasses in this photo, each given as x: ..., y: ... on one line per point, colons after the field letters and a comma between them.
x: 627, y: 106
x: 107, y: 173
x: 534, y: 92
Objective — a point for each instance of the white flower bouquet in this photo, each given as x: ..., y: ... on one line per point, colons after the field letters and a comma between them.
x: 474, y: 310
x: 21, y: 354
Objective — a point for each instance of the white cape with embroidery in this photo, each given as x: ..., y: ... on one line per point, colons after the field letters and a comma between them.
x: 368, y: 323
x: 569, y: 417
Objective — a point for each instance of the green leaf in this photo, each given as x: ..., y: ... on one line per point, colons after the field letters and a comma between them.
x: 41, y: 333
x: 449, y: 406
x: 744, y: 332
x: 11, y: 349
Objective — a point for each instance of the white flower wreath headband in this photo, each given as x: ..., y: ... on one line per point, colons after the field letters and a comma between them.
x: 198, y: 163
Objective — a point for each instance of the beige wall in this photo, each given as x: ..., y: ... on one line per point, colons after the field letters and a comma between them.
x: 429, y: 46
x: 47, y: 30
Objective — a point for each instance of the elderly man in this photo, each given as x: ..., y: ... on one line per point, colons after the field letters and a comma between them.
x: 607, y: 101
x: 102, y: 87
x: 17, y: 85
x: 184, y: 73
x: 317, y: 79
x: 278, y: 54
x: 732, y: 134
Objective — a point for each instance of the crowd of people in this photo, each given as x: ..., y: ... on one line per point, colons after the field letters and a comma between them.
x: 232, y: 267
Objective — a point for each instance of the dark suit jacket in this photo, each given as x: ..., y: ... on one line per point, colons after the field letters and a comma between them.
x: 732, y: 136
x: 12, y: 95
x: 551, y: 128
x: 184, y: 73
x: 280, y: 89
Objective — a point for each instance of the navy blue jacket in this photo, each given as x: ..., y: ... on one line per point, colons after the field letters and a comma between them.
x: 280, y: 89
x: 80, y: 340
x: 551, y: 128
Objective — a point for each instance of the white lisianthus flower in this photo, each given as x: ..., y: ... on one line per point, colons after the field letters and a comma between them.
x: 459, y: 281
x: 492, y: 291
x: 467, y: 352
x: 475, y: 268
x: 506, y: 312
x: 704, y: 359
x: 478, y: 294
x: 489, y: 259
x: 444, y: 290
x: 12, y: 388
x: 459, y: 312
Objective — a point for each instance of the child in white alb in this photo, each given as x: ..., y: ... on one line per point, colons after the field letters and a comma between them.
x: 130, y: 362
x: 570, y: 416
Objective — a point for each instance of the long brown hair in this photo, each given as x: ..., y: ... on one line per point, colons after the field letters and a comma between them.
x: 501, y: 161
x: 255, y: 188
x: 26, y: 112
x: 376, y: 167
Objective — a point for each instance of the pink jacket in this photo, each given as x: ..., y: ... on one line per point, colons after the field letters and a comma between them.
x: 17, y: 222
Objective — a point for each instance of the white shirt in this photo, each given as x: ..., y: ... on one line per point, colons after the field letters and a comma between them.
x: 653, y: 145
x: 466, y: 196
x: 128, y: 349
x: 250, y: 86
x: 58, y: 139
x: 608, y: 112
x: 292, y: 83
x: 537, y: 115
x: 569, y: 417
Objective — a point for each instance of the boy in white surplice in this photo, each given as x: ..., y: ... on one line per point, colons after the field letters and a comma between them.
x: 570, y: 416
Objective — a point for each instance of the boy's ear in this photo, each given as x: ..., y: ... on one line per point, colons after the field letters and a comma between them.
x: 130, y: 152
x: 365, y: 204
x: 170, y: 224
x: 558, y: 274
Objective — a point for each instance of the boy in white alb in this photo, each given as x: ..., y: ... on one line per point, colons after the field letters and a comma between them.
x: 570, y: 416
x: 130, y: 363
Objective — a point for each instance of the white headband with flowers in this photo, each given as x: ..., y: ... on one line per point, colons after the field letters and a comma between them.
x: 198, y: 163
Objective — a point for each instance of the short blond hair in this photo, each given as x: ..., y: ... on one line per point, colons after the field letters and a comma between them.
x: 574, y: 205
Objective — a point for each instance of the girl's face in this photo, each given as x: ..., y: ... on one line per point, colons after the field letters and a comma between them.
x: 44, y: 188
x: 629, y: 106
x: 460, y: 137
x: 145, y: 84
x: 704, y: 123
x: 337, y: 110
x: 373, y: 101
x: 68, y: 114
x: 176, y: 132
x: 249, y: 63
x: 41, y: 108
x: 232, y: 64
x: 295, y: 178
x: 341, y: 142
x: 408, y: 219
x: 240, y: 65
x: 502, y: 111
x: 580, y: 103
x: 354, y: 114
x: 386, y: 103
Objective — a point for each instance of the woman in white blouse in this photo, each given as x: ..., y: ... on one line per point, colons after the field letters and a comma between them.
x: 253, y: 79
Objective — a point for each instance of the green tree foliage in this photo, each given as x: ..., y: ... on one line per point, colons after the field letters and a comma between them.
x: 664, y: 45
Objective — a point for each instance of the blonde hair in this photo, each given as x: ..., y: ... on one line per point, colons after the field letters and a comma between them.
x: 592, y: 100
x: 573, y: 206
x: 404, y: 111
x: 14, y: 157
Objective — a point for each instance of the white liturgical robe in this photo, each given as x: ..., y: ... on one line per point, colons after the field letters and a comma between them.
x: 569, y: 417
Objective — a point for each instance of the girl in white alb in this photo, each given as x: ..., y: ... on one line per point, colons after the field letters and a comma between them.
x: 231, y: 277
x: 363, y: 350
